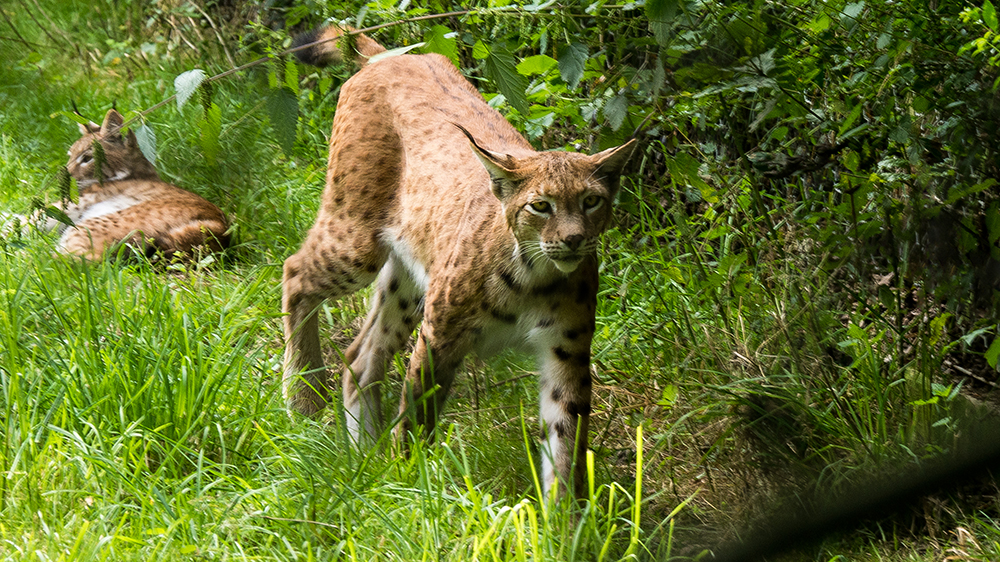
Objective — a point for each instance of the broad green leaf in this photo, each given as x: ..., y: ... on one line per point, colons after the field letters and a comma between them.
x: 990, y: 15
x: 211, y: 129
x: 615, y: 111
x: 147, y: 142
x: 993, y: 353
x: 661, y: 14
x: 500, y: 69
x: 186, y: 84
x: 572, y: 60
x: 538, y: 64
x: 854, y: 9
x: 480, y: 51
x: 441, y: 40
x: 292, y: 76
x: 283, y: 112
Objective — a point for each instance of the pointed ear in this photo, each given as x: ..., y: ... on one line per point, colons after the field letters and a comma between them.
x: 611, y: 162
x: 112, y: 125
x: 504, y: 179
x: 88, y: 128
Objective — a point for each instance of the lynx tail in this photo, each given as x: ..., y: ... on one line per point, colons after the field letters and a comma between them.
x: 328, y: 52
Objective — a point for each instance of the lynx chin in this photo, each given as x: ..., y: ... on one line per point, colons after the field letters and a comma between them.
x: 436, y: 198
x: 129, y: 203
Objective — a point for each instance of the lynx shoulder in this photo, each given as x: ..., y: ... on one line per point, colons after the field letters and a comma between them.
x: 465, y: 230
x: 129, y: 203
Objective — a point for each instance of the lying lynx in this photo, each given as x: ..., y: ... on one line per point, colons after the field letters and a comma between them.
x: 130, y: 203
x: 435, y: 196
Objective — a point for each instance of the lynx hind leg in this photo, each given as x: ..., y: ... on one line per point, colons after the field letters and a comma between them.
x: 396, y: 308
x: 313, y: 274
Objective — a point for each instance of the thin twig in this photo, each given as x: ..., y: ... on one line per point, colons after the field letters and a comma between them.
x: 62, y: 33
x: 14, y: 29
x: 40, y: 26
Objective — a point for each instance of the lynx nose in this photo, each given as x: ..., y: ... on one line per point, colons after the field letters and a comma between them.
x: 573, y: 241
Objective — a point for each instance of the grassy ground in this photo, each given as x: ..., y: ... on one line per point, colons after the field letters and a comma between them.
x: 140, y: 409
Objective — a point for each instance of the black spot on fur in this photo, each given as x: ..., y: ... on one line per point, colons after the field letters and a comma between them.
x: 582, y: 359
x: 563, y: 430
x: 583, y: 292
x: 393, y: 285
x: 545, y: 323
x: 586, y: 381
x: 561, y: 353
x: 556, y: 395
x: 502, y: 316
x: 578, y: 409
x: 404, y: 305
x: 572, y: 334
x: 546, y: 290
x: 509, y: 281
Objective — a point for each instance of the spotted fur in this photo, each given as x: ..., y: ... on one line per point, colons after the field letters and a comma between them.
x: 434, y: 196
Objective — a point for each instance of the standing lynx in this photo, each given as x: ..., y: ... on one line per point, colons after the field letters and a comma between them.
x: 129, y: 203
x: 435, y: 196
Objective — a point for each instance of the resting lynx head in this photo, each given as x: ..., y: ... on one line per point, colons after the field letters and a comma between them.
x: 122, y: 157
x: 556, y: 204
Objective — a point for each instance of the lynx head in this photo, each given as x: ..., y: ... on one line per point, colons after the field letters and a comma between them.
x: 122, y: 157
x: 557, y: 203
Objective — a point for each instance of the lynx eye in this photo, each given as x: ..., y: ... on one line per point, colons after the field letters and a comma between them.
x: 591, y: 201
x: 85, y: 158
x: 541, y: 207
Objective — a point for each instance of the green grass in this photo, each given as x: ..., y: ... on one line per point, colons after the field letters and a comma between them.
x: 141, y: 416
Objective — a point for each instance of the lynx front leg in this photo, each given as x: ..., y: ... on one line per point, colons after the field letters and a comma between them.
x: 432, y: 366
x: 564, y: 406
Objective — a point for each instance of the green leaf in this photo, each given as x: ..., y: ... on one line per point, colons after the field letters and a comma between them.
x: 669, y: 395
x: 853, y: 10
x: 186, y: 84
x: 990, y: 15
x: 993, y: 353
x: 211, y: 129
x: 394, y: 52
x: 957, y: 194
x: 283, y: 112
x: 661, y: 14
x: 480, y: 51
x: 58, y: 214
x: 615, y: 111
x: 292, y: 76
x: 993, y: 223
x: 147, y: 142
x: 572, y: 60
x: 500, y: 69
x: 538, y: 64
x: 441, y: 40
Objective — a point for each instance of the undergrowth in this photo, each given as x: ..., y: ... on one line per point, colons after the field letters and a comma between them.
x: 749, y: 346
